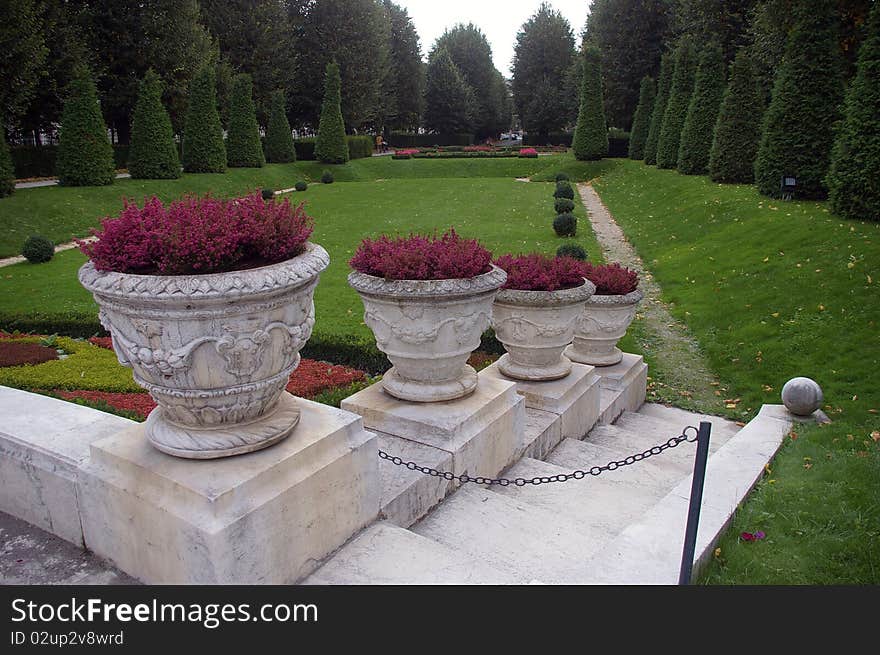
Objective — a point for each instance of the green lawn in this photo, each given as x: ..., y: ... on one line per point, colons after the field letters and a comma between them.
x: 773, y: 290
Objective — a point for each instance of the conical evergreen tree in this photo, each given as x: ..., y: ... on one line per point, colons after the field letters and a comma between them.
x: 243, y: 146
x: 85, y: 156
x: 676, y: 109
x: 667, y: 64
x: 153, y: 153
x: 797, y: 134
x: 330, y: 146
x: 854, y: 180
x: 590, y: 139
x: 738, y: 128
x: 699, y: 124
x: 203, y: 147
x: 7, y: 173
x: 642, y: 119
x: 279, y: 139
x: 450, y: 104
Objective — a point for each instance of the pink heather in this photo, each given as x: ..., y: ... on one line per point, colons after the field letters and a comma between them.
x: 418, y: 257
x: 536, y: 272
x: 612, y: 279
x: 199, y: 235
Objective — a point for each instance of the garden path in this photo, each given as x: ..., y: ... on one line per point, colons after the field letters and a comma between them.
x: 676, y: 356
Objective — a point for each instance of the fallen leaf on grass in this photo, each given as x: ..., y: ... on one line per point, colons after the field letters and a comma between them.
x: 862, y: 453
x: 875, y: 435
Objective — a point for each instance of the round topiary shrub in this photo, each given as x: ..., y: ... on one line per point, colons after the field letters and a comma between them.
x: 562, y: 177
x: 564, y: 190
x: 327, y: 177
x: 563, y: 205
x: 267, y: 194
x: 38, y: 249
x: 302, y: 185
x: 565, y: 225
x: 571, y: 250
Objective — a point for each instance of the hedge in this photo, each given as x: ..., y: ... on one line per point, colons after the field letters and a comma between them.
x: 553, y: 138
x: 39, y: 161
x: 408, y: 140
x: 358, y: 147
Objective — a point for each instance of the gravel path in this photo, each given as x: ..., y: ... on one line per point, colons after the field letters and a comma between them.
x: 676, y: 356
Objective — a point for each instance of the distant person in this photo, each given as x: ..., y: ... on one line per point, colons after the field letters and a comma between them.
x: 380, y: 144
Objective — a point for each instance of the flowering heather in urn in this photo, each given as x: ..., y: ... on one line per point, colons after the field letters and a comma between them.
x: 197, y: 235
x: 541, y: 273
x: 418, y: 257
x: 612, y: 279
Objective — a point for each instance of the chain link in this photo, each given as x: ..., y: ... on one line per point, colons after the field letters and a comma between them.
x: 562, y: 477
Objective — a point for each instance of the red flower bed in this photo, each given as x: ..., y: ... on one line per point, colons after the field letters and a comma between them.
x: 140, y: 403
x: 102, y: 342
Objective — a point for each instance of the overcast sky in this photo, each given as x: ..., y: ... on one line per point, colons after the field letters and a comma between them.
x: 499, y: 20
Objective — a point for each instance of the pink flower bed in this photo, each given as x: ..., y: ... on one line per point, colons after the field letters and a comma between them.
x: 612, y: 279
x: 199, y: 235
x: 480, y: 148
x: 407, y: 151
x: 528, y: 152
x: 419, y: 257
x: 536, y: 272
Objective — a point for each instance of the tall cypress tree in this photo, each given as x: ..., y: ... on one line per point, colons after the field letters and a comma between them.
x: 85, y: 156
x: 699, y: 124
x: 676, y: 108
x: 243, y: 146
x: 7, y: 173
x: 667, y: 63
x: 854, y: 179
x: 279, y: 139
x: 807, y: 92
x: 153, y: 153
x: 203, y: 147
x: 590, y: 139
x: 330, y: 146
x: 642, y: 119
x: 738, y: 128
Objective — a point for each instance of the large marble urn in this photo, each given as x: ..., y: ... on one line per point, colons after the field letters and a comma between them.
x: 602, y: 324
x: 428, y: 329
x: 215, y: 351
x: 535, y: 328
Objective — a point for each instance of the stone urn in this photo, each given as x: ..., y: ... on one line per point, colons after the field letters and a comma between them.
x: 601, y: 325
x: 428, y: 329
x: 535, y: 327
x: 215, y: 351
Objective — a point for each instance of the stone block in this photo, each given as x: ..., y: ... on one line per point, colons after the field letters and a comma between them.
x: 624, y: 387
x: 43, y: 441
x: 266, y: 517
x: 482, y: 431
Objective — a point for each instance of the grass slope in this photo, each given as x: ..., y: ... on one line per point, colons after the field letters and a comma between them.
x: 773, y: 290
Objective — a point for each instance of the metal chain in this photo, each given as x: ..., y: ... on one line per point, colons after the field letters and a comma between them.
x: 562, y: 477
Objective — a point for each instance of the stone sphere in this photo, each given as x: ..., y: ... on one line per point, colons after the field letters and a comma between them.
x: 802, y: 396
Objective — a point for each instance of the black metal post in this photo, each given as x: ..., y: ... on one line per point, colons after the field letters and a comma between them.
x: 693, y: 520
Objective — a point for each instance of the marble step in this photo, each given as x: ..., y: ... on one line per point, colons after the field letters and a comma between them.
x: 525, y: 541
x: 720, y: 426
x: 385, y: 554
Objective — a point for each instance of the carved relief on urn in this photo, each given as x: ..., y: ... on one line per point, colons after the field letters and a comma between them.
x: 602, y: 324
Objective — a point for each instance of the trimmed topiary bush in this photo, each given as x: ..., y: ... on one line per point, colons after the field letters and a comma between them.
x: 267, y: 194
x: 797, y: 134
x: 203, y: 147
x: 562, y: 177
x: 565, y: 225
x: 7, y: 172
x: 563, y: 205
x: 677, y: 106
x: 590, y: 139
x: 853, y: 185
x: 638, y: 136
x: 702, y: 114
x: 564, y: 190
x: 279, y: 138
x: 327, y: 177
x: 38, y: 249
x: 330, y: 146
x: 571, y: 250
x: 152, y: 154
x: 243, y: 146
x: 301, y: 185
x: 738, y: 128
x: 85, y: 156
x: 667, y: 64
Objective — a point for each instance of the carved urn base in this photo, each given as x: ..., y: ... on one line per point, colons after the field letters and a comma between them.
x: 223, y: 441
x: 602, y: 324
x: 421, y: 392
x: 529, y: 372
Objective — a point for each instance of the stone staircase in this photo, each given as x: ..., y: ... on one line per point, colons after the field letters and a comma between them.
x: 558, y: 533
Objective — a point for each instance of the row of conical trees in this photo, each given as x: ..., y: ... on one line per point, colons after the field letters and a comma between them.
x: 696, y: 121
x: 85, y: 156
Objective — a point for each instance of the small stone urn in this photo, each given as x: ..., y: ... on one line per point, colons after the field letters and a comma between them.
x: 428, y: 329
x: 215, y: 351
x: 535, y: 327
x: 602, y: 324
